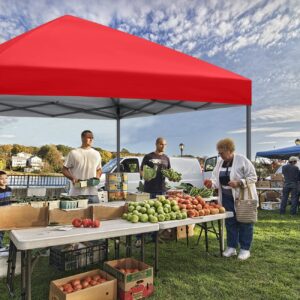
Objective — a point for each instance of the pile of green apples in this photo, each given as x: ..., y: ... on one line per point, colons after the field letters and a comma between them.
x: 154, y: 211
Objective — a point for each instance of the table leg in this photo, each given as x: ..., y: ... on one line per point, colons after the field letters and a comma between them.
x: 220, y: 237
x: 200, y: 234
x: 222, y: 234
x: 28, y: 274
x: 117, y: 247
x: 23, y: 277
x: 106, y: 249
x: 11, y: 268
x: 206, y: 236
x: 142, y: 247
x: 128, y: 245
x: 156, y: 254
x: 187, y: 234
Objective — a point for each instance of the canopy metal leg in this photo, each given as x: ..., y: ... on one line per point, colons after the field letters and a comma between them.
x: 248, y: 131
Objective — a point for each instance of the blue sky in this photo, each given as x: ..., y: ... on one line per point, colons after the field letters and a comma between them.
x: 257, y: 39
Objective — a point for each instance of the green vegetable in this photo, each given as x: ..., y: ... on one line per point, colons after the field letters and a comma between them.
x: 149, y: 173
x: 171, y: 174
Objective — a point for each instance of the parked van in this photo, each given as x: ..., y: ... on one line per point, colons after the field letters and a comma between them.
x: 189, y: 168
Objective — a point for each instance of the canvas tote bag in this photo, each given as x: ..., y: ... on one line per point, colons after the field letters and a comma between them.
x: 246, y: 209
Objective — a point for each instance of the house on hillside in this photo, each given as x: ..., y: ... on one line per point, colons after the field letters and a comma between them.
x: 23, y: 155
x: 35, y: 163
x: 18, y: 161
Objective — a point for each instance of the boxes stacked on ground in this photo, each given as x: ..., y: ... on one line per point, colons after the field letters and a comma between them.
x: 270, y: 205
x: 104, y: 291
x: 116, y: 185
x: 131, y: 286
x: 76, y: 256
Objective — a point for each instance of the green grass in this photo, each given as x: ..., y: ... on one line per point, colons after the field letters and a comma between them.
x: 272, y: 272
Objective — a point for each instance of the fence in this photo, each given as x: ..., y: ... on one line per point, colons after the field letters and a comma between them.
x: 36, y: 180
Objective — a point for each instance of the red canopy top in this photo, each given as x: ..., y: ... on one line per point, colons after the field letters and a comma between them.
x: 70, y: 56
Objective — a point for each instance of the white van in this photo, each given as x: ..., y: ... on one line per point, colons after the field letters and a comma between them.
x: 189, y: 168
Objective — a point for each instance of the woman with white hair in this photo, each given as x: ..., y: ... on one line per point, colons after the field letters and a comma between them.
x: 233, y: 172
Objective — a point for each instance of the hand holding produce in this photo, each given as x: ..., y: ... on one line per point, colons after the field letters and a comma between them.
x: 172, y: 175
x: 208, y: 183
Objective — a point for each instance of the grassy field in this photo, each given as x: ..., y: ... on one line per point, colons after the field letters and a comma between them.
x: 272, y: 272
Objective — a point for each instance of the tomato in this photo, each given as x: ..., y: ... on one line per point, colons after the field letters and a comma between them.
x: 78, y: 287
x: 93, y: 282
x: 96, y: 223
x: 76, y: 222
x: 66, y: 286
x: 84, y: 284
x: 75, y: 282
x: 96, y: 277
x: 87, y: 278
x: 191, y: 213
x: 86, y: 222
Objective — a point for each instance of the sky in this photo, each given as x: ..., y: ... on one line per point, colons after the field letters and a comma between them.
x: 256, y: 39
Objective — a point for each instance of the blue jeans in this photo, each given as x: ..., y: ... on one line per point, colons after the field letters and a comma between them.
x: 237, y: 233
x: 294, y: 197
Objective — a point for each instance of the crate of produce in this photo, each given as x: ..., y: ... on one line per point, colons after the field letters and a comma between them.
x: 117, y: 196
x: 276, y: 184
x: 263, y: 184
x: 93, y: 181
x: 81, y: 184
x: 270, y: 205
x: 53, y: 204
x: 174, y: 193
x: 68, y: 204
x: 76, y: 256
x: 82, y: 201
x: 135, y: 278
x: 91, y: 285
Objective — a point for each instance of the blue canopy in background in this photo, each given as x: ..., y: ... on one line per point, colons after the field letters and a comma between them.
x: 282, y: 153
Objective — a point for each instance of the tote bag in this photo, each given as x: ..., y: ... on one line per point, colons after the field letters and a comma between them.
x: 246, y: 209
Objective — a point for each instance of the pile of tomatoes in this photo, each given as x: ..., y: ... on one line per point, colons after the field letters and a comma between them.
x: 85, y: 223
x: 80, y: 284
x: 128, y: 271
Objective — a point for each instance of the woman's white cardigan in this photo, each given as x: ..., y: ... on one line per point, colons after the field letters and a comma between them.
x: 242, y: 170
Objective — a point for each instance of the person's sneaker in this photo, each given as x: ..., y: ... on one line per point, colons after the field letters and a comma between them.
x: 244, y: 254
x: 229, y: 252
x: 138, y: 243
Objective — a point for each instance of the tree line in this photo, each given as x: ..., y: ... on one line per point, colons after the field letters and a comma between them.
x: 52, y: 155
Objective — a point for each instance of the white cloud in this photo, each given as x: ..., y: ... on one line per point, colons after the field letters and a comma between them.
x: 7, y: 136
x: 285, y: 134
x: 266, y: 143
x: 277, y: 113
x: 256, y: 129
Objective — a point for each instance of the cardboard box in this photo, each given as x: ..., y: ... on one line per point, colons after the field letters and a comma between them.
x: 181, y: 231
x: 103, y: 291
x: 277, y: 177
x: 102, y: 212
x: 65, y: 217
x: 137, y: 196
x: 13, y: 217
x: 131, y: 286
x: 103, y: 196
x: 117, y: 196
x: 263, y: 184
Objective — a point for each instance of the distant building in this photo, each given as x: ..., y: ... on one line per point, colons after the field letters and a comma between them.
x: 23, y: 155
x: 18, y: 161
x: 35, y: 162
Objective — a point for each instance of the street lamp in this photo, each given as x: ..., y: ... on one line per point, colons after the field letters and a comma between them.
x: 181, y: 146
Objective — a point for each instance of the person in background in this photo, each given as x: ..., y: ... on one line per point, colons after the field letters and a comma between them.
x: 290, y: 173
x: 157, y: 185
x: 231, y: 173
x: 81, y: 164
x: 5, y: 196
x: 160, y: 161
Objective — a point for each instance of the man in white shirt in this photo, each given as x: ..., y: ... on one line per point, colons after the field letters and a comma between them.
x: 81, y: 164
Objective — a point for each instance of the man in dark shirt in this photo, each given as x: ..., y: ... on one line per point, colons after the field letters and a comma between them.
x: 159, y: 161
x: 291, y: 176
x: 5, y: 196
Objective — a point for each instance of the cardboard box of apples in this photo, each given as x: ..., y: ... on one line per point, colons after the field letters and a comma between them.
x: 92, y: 285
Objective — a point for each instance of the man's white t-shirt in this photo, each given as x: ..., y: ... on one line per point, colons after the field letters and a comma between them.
x: 83, y: 164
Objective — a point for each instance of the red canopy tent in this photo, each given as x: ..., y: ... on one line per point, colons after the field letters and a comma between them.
x: 74, y: 68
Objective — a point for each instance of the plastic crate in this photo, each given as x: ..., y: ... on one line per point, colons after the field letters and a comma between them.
x: 76, y: 256
x: 270, y: 205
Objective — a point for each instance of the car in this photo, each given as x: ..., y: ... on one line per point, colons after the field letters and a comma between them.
x: 189, y: 168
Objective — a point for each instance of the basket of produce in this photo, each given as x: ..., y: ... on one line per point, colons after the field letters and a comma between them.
x: 93, y: 181
x: 53, y: 203
x: 81, y: 184
x: 68, y: 204
x: 82, y: 201
x: 172, y: 175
